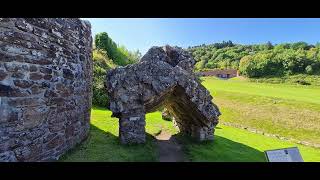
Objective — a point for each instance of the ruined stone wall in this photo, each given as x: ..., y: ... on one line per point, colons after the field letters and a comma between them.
x: 162, y: 78
x: 45, y: 86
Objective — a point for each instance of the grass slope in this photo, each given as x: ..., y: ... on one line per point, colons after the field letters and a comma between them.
x: 287, y: 110
x: 230, y: 144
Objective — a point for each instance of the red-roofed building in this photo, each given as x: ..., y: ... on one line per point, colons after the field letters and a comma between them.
x: 221, y: 73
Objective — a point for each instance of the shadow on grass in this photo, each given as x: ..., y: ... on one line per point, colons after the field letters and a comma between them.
x: 219, y: 150
x: 105, y: 146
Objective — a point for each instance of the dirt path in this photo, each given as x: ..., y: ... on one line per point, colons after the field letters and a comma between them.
x: 169, y: 150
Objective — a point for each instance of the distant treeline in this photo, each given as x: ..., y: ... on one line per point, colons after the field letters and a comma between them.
x: 259, y: 60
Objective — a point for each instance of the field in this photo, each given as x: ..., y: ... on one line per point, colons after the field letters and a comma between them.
x: 291, y: 111
x: 286, y: 110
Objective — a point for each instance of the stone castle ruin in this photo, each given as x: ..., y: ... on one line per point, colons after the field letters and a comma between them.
x: 163, y: 77
x: 46, y: 89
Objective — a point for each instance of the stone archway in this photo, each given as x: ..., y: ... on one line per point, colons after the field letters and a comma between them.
x: 163, y: 77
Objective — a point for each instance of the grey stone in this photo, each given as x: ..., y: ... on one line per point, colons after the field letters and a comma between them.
x: 37, y: 121
x: 163, y: 78
x: 8, y: 156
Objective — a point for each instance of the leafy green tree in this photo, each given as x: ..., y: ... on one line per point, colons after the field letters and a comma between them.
x: 104, y: 42
x: 282, y: 46
x: 299, y: 45
x: 119, y: 54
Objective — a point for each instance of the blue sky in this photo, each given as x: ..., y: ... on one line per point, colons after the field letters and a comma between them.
x: 142, y: 33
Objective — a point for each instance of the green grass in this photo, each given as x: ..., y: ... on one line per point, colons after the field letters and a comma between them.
x: 231, y: 144
x: 291, y: 111
x: 313, y: 80
x: 302, y: 93
x: 103, y: 142
x: 237, y: 145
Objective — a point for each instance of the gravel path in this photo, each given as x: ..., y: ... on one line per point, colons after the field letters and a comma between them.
x: 169, y: 149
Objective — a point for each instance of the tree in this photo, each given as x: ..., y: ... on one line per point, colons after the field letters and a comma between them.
x: 266, y: 46
x: 269, y: 45
x: 245, y: 66
x: 200, y: 65
x: 299, y: 45
x: 103, y: 41
x: 119, y: 54
x: 265, y: 59
x: 282, y: 46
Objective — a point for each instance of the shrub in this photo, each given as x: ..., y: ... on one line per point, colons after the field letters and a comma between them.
x: 99, y: 97
x: 309, y: 69
x: 302, y: 82
x: 101, y: 64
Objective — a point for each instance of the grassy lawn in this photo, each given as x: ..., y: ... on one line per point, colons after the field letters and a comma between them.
x: 103, y: 142
x: 287, y: 110
x: 313, y: 80
x: 237, y: 145
x: 231, y: 144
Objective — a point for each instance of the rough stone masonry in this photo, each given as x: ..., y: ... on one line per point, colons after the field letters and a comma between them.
x: 163, y: 77
x: 45, y: 86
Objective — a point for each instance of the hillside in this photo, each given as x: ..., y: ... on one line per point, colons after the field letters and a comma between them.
x: 259, y: 60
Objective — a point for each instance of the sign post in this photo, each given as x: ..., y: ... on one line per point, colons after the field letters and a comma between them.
x: 284, y: 155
